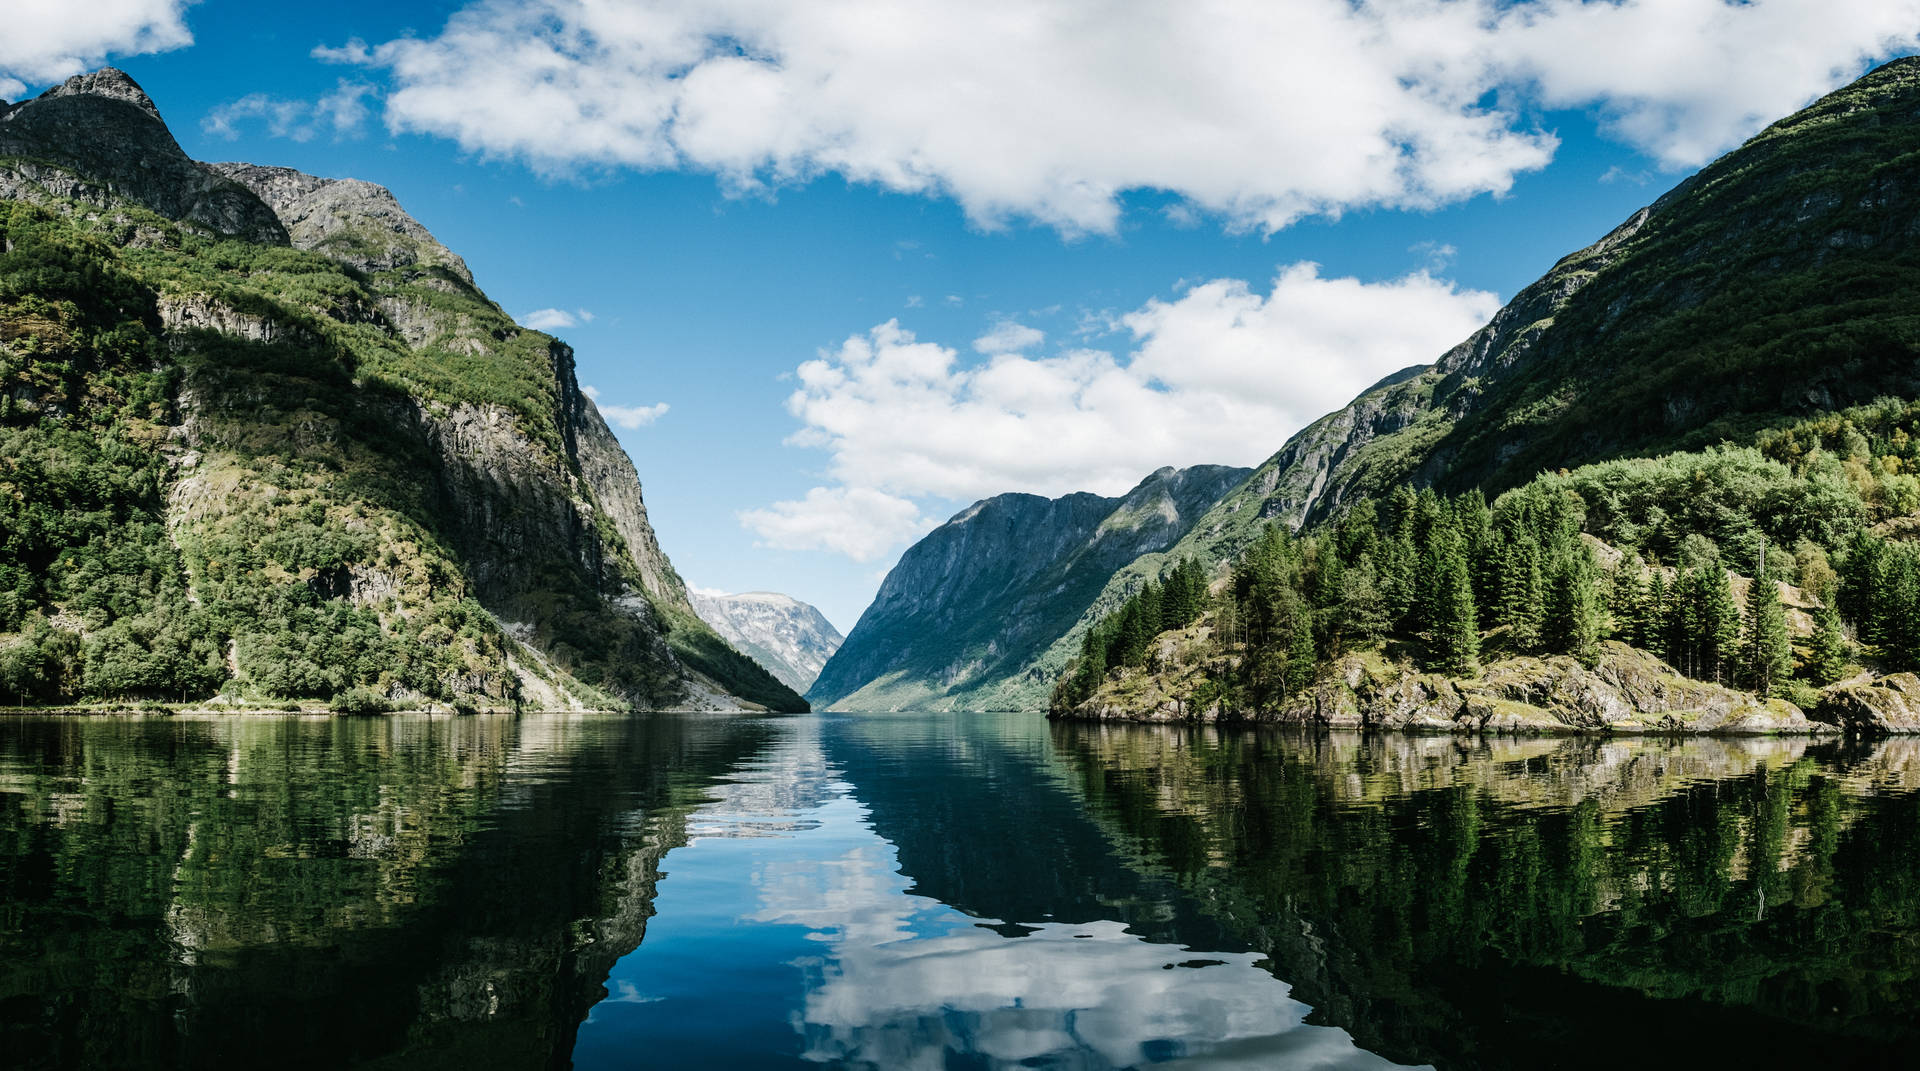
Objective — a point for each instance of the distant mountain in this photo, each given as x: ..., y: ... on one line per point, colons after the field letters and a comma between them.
x: 789, y: 637
x: 262, y: 438
x: 964, y: 620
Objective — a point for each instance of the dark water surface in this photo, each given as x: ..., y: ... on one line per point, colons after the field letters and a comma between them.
x: 944, y: 891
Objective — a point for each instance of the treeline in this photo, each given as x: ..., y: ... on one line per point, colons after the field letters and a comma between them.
x: 1642, y: 551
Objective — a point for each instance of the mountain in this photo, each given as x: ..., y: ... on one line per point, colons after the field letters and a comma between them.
x: 262, y: 437
x: 1773, y: 286
x: 961, y: 621
x: 789, y: 637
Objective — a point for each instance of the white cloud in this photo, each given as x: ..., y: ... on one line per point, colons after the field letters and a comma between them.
x: 631, y: 417
x: 549, y: 319
x: 1222, y: 374
x: 1436, y: 254
x: 1008, y: 336
x: 1253, y: 111
x: 343, y: 113
x: 1684, y: 80
x: 48, y: 40
x: 860, y: 522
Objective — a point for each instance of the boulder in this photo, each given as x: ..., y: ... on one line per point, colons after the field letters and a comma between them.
x: 1886, y: 706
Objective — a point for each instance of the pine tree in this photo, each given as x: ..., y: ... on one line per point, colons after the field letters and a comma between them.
x: 1766, y: 653
x: 1399, y: 588
x: 1718, y: 618
x: 1827, y: 659
x: 1454, y: 632
x: 1655, y: 620
x: 1521, y: 594
x: 1864, y: 585
x: 1300, y: 656
x: 1134, y: 635
x: 1574, y: 609
x: 1898, y: 607
x: 1630, y: 604
x: 1363, y: 611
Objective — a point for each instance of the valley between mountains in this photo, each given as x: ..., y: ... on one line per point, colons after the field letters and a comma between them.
x: 264, y: 443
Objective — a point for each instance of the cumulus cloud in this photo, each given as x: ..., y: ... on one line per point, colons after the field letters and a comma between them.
x: 555, y: 319
x: 1223, y: 373
x: 1009, y: 337
x: 860, y: 522
x: 1685, y: 80
x: 342, y: 112
x: 1050, y: 109
x: 631, y: 417
x: 48, y: 40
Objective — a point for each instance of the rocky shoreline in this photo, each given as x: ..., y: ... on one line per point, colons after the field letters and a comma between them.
x: 1628, y: 691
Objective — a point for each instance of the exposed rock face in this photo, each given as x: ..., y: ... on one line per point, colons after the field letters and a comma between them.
x: 962, y: 621
x: 353, y: 221
x: 615, y: 483
x: 450, y: 450
x: 104, y: 131
x: 789, y: 637
x: 1887, y: 706
x: 1628, y: 691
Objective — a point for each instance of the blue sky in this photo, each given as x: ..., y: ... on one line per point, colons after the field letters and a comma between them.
x: 1128, y: 263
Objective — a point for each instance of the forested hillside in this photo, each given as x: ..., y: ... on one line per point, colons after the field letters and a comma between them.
x: 1773, y: 288
x: 323, y: 468
x: 1686, y: 556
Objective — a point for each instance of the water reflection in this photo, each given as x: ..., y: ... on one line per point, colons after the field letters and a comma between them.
x: 944, y: 890
x: 1464, y: 903
x: 310, y: 892
x: 885, y: 977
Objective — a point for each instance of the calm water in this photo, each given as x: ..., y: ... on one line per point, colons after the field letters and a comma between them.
x: 938, y: 891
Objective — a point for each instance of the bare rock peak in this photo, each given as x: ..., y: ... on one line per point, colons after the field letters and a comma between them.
x: 109, y: 82
x: 358, y: 222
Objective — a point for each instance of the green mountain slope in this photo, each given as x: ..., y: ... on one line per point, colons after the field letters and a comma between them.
x: 1774, y: 285
x: 264, y: 437
x: 957, y: 623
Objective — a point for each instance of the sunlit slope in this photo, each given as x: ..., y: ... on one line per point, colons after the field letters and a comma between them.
x: 1776, y: 284
x: 957, y: 623
x: 265, y: 440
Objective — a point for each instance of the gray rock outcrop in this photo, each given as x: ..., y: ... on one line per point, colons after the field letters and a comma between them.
x: 792, y: 639
x: 104, y: 132
x: 1627, y: 691
x: 1888, y: 706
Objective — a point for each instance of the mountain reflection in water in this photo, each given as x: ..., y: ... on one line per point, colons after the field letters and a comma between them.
x: 935, y: 890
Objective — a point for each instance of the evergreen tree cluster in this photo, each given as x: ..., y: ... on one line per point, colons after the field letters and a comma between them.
x: 1124, y: 637
x: 1879, y: 582
x: 1447, y: 581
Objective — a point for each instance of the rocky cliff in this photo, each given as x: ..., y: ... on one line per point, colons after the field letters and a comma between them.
x: 789, y: 637
x: 1626, y: 691
x: 98, y: 139
x: 343, y: 472
x: 963, y: 620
